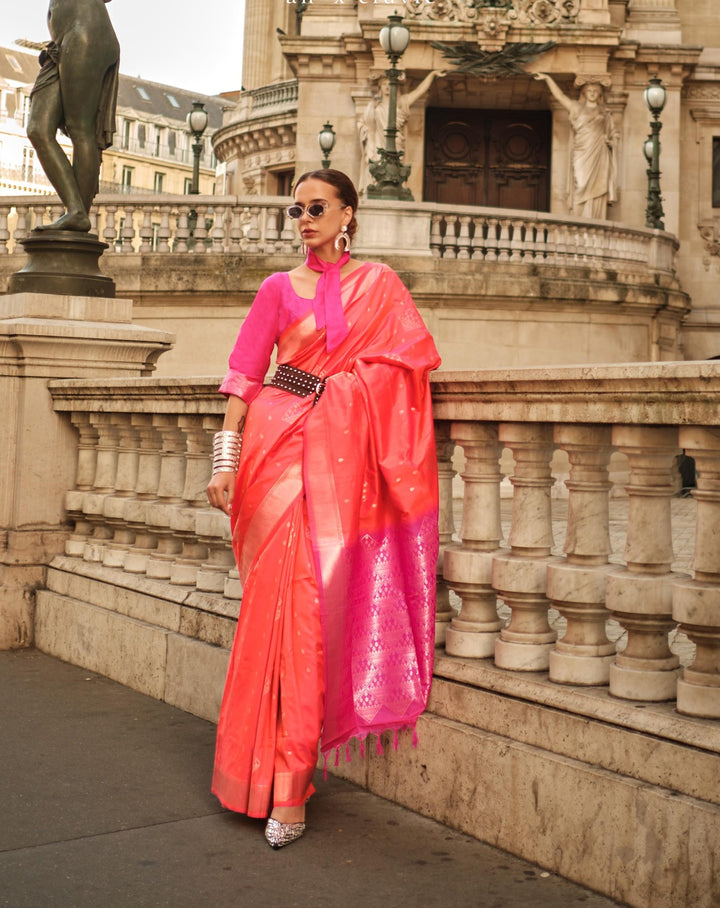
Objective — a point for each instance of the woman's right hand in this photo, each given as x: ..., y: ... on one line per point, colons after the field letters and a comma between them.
x: 220, y: 491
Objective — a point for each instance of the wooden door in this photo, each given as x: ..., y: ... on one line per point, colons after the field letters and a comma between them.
x: 488, y: 157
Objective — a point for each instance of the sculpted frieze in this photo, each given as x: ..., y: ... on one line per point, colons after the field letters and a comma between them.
x: 492, y: 15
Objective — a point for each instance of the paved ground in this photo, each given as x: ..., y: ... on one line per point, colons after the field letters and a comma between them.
x: 105, y: 804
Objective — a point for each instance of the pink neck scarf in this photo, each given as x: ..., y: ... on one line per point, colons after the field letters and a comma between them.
x: 327, y: 304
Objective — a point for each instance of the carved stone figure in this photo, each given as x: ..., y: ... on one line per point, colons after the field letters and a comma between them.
x: 594, y: 149
x: 75, y: 91
x: 374, y: 121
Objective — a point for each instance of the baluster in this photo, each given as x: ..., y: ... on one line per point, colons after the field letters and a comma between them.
x: 184, y: 519
x: 520, y: 577
x: 182, y: 231
x: 219, y: 234
x: 148, y: 478
x: 169, y: 492
x: 4, y: 232
x: 38, y: 215
x: 84, y: 479
x: 127, y: 234
x: 115, y: 507
x: 444, y: 447
x: 469, y: 565
x: 253, y: 231
x: 164, y: 233
x: 516, y: 243
x: 639, y: 596
x: 109, y: 234
x: 532, y: 245
x: 146, y: 230
x: 436, y: 238
x: 236, y: 228
x: 577, y: 588
x: 93, y: 215
x: 491, y: 243
x: 200, y: 232
x: 287, y: 236
x: 103, y: 485
x: 450, y: 250
x: 212, y: 526
x: 504, y: 241
x: 21, y: 224
x: 696, y: 603
x: 272, y: 234
x: 463, y: 241
x: 477, y: 247
x: 561, y: 244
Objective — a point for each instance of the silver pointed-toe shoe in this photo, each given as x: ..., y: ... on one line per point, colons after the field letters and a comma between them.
x: 279, y: 834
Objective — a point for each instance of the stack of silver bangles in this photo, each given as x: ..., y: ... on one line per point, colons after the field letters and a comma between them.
x: 226, y: 451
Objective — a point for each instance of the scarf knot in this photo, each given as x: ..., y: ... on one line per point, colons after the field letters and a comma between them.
x: 327, y: 304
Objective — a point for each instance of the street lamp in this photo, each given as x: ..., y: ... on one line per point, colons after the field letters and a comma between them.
x: 389, y: 172
x: 326, y: 141
x: 655, y: 97
x: 197, y: 121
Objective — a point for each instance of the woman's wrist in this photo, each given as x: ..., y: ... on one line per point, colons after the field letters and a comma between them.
x: 226, y: 451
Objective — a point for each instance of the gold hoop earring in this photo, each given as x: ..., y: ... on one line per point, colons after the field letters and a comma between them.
x: 344, y: 238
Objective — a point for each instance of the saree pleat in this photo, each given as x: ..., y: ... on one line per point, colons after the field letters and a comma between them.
x: 335, y: 534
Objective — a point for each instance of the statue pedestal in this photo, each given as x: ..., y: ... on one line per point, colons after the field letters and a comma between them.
x: 45, y: 337
x: 62, y: 262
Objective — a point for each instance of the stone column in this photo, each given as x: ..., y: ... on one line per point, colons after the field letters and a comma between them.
x: 696, y: 603
x: 577, y: 588
x: 445, y: 447
x: 640, y: 595
x: 520, y: 577
x: 468, y: 566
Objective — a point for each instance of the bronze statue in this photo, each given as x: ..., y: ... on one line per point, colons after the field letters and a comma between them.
x: 75, y: 91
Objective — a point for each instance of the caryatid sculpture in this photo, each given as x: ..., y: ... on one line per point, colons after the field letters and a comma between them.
x: 594, y: 149
x: 374, y: 121
x: 75, y: 91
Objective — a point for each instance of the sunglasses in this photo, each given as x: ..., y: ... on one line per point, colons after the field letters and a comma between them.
x: 314, y: 210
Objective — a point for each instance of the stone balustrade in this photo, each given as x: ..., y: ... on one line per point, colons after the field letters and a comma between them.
x: 139, y: 508
x: 230, y: 224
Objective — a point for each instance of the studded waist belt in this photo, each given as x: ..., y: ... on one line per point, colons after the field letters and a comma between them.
x: 288, y: 378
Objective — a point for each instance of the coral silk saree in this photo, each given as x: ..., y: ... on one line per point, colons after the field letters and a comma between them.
x: 336, y: 539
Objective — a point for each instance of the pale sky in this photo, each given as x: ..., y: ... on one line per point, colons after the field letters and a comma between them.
x: 192, y: 44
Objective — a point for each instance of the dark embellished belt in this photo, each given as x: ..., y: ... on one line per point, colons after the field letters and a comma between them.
x: 288, y: 378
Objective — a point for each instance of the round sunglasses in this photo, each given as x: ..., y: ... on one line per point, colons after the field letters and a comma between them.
x: 313, y: 210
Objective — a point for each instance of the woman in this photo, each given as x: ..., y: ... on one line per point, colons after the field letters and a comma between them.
x: 333, y: 511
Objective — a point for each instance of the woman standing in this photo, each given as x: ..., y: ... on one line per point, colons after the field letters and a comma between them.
x: 334, y: 515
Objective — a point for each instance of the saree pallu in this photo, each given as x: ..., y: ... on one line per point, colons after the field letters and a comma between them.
x: 336, y: 538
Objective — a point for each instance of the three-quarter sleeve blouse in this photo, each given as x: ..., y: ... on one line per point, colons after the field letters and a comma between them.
x: 275, y: 307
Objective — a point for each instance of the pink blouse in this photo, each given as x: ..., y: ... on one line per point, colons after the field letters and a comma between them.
x: 275, y: 307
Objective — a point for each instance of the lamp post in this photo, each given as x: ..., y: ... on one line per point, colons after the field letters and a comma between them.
x: 326, y: 141
x: 197, y: 121
x: 655, y: 97
x: 389, y: 172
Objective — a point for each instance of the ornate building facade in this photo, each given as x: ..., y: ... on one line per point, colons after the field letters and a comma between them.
x: 484, y: 130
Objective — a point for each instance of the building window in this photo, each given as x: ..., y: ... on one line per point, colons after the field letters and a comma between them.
x: 127, y: 178
x: 188, y: 185
x: 126, y: 134
x: 142, y: 92
x: 14, y: 63
x: 28, y: 164
x: 173, y: 100
x: 142, y: 135
x: 172, y: 142
x: 159, y: 181
x: 25, y: 110
x: 281, y: 182
x: 158, y: 142
x: 716, y: 172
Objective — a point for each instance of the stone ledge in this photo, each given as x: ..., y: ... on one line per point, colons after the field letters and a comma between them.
x: 657, y: 719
